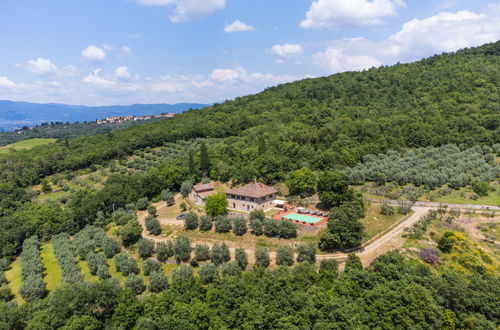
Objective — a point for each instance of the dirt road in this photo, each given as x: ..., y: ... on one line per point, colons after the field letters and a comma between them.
x: 389, y: 240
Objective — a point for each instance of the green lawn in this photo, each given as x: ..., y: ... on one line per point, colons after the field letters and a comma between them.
x: 27, y: 144
x: 376, y: 223
x: 84, y: 269
x: 13, y: 276
x: 114, y: 273
x: 52, y: 273
x: 455, y: 198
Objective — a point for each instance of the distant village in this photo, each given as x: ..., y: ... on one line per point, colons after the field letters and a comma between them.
x: 116, y: 120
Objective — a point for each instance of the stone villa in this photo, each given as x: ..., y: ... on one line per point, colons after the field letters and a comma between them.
x: 250, y: 197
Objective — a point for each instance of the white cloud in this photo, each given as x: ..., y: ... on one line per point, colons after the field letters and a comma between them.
x: 238, y: 26
x: 44, y: 67
x: 94, y: 79
x: 227, y: 74
x: 126, y: 50
x: 6, y: 82
x: 331, y: 14
x: 94, y: 54
x: 337, y: 61
x: 122, y: 73
x: 443, y: 32
x: 287, y: 50
x: 187, y: 10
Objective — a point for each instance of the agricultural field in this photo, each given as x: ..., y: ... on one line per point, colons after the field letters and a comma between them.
x: 24, y: 145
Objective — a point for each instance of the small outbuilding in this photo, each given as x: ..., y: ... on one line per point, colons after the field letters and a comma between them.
x: 200, y: 192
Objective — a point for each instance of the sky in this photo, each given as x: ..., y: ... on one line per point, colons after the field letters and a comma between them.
x: 104, y: 52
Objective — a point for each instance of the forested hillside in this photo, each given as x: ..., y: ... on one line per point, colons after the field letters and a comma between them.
x: 323, y: 122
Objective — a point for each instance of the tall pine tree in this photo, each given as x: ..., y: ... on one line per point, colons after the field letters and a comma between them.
x: 204, y: 161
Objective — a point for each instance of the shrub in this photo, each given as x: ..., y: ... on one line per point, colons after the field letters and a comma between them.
x: 329, y: 267
x: 284, y: 256
x: 306, y: 252
x: 191, y: 222
x: 216, y: 205
x: 164, y: 250
x: 168, y: 197
x: 201, y: 252
x: 110, y: 247
x: 130, y: 233
x: 206, y: 223
x: 152, y: 210
x: 150, y: 266
x: 125, y: 265
x: 6, y: 293
x: 353, y: 263
x: 287, y: 229
x: 446, y: 242
x: 183, y: 274
x: 257, y: 226
x: 262, y: 258
x: 142, y: 203
x: 103, y: 271
x: 271, y: 228
x: 186, y: 188
x: 222, y: 224
x: 135, y: 283
x: 208, y: 273
x: 145, y: 247
x: 241, y: 258
x: 33, y: 287
x: 94, y: 260
x: 231, y: 269
x: 429, y: 255
x: 158, y: 281
x: 182, y: 249
x: 240, y: 226
x: 386, y: 210
x: 220, y: 254
x: 482, y: 188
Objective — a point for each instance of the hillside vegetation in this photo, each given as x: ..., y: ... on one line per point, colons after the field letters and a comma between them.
x: 323, y: 123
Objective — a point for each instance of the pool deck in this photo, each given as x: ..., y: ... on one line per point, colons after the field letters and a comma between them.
x: 320, y: 221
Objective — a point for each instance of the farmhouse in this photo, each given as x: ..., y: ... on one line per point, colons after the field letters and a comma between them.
x: 250, y: 197
x: 200, y: 192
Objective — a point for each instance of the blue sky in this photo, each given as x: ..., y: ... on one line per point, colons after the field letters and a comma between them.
x: 101, y: 52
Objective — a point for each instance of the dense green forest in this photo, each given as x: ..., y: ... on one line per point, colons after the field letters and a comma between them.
x: 392, y: 293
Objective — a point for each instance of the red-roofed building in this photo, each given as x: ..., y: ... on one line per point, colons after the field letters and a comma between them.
x: 200, y: 192
x: 253, y: 196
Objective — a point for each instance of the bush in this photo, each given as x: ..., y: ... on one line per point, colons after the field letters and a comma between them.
x: 183, y: 274
x: 287, y: 229
x: 121, y: 217
x: 94, y: 260
x: 482, y: 188
x: 130, y: 233
x: 186, y: 188
x: 6, y: 294
x: 284, y: 256
x: 206, y: 223
x: 231, y: 269
x: 164, y: 250
x: 125, y: 265
x: 240, y: 226
x: 145, y: 247
x: 216, y: 205
x: 257, y: 226
x: 33, y: 287
x: 135, y: 283
x: 241, y: 258
x: 429, y: 255
x: 220, y: 254
x: 262, y: 258
x: 307, y: 253
x: 158, y: 281
x: 222, y: 224
x: 150, y: 266
x: 446, y: 242
x: 110, y: 247
x: 152, y: 210
x: 353, y: 263
x: 271, y: 228
x: 191, y: 222
x: 208, y: 273
x: 201, y: 252
x: 168, y: 197
x: 329, y: 267
x: 386, y: 210
x: 103, y: 271
x: 142, y: 203
x: 182, y: 249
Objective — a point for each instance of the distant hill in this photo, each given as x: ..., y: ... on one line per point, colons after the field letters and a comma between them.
x: 14, y: 115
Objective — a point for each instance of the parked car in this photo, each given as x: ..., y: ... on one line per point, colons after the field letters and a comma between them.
x: 181, y: 216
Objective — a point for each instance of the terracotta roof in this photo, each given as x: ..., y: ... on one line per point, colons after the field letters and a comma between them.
x: 205, y: 194
x: 202, y: 187
x: 254, y: 189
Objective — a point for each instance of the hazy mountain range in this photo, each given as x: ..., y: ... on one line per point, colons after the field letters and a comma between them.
x: 14, y: 115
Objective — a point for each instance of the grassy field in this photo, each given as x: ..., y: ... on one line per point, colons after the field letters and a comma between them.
x: 52, y: 274
x: 84, y: 269
x: 114, y: 273
x: 27, y: 144
x: 13, y: 276
x: 455, y: 197
x: 376, y: 223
